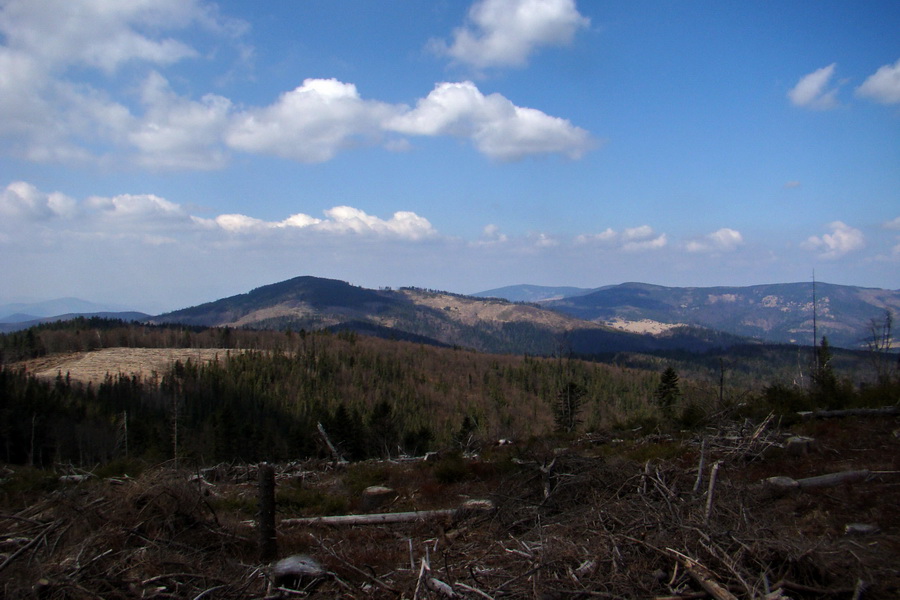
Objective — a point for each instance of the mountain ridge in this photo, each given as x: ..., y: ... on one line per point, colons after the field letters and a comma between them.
x: 445, y: 318
x: 778, y: 313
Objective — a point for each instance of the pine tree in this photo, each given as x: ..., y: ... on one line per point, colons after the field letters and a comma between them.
x: 567, y: 408
x: 667, y: 392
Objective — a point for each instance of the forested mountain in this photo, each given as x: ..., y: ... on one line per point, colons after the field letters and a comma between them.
x: 776, y: 313
x: 484, y: 324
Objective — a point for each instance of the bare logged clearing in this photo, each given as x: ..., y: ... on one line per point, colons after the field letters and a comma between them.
x: 603, y: 519
x: 642, y: 326
x: 94, y: 366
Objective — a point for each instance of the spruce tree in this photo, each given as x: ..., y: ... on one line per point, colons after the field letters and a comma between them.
x: 667, y: 392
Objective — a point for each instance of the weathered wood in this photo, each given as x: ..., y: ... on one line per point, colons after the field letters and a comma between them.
x: 338, y: 457
x: 850, y: 412
x: 702, y: 576
x: 268, y: 543
x: 471, y: 506
x: 713, y: 475
x: 829, y: 480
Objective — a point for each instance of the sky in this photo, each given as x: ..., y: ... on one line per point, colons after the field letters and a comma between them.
x: 157, y: 154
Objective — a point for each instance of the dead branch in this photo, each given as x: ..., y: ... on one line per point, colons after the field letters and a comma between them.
x: 702, y: 576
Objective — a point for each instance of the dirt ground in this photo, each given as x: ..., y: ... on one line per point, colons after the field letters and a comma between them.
x: 605, y: 517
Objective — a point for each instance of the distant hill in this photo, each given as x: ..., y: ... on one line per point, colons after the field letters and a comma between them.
x: 485, y: 324
x: 30, y: 311
x: 779, y: 313
x: 19, y: 325
x: 532, y: 293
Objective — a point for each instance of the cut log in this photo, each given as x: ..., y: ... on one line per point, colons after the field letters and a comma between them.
x: 851, y: 412
x: 467, y: 508
x: 829, y: 480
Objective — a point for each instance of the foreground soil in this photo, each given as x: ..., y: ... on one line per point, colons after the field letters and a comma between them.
x: 607, y: 516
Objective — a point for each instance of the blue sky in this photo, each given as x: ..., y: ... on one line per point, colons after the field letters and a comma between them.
x: 162, y: 153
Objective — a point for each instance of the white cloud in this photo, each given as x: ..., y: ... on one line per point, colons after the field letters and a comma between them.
x: 403, y: 224
x: 892, y: 224
x: 21, y: 200
x: 141, y: 207
x: 53, y: 109
x: 311, y: 123
x: 502, y: 33
x: 842, y: 240
x: 148, y: 214
x: 637, y: 233
x: 103, y: 34
x: 606, y: 236
x: 883, y: 85
x: 642, y: 245
x: 46, y: 116
x: 179, y: 133
x: 631, y: 239
x: 812, y: 90
x: 498, y: 128
x: 338, y: 222
x: 542, y: 240
x: 723, y: 240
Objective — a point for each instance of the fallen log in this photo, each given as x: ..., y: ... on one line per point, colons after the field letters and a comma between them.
x: 470, y: 506
x: 829, y: 480
x: 850, y: 412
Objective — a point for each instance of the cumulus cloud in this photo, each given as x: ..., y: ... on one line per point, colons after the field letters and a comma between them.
x: 893, y: 224
x: 176, y: 132
x: 156, y: 218
x: 338, y: 221
x: 50, y: 110
x: 48, y: 115
x: 653, y: 243
x: 842, y: 240
x: 21, y: 200
x: 57, y: 33
x: 883, y: 85
x: 606, y: 236
x: 812, y: 91
x: 497, y: 127
x: 140, y: 208
x: 631, y: 239
x: 723, y: 240
x: 505, y: 33
x: 311, y: 123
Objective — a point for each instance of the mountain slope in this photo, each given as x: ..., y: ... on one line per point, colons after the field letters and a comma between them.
x: 780, y: 313
x: 490, y: 325
x: 532, y: 293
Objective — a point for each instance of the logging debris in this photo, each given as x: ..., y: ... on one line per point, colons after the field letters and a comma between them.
x: 590, y: 522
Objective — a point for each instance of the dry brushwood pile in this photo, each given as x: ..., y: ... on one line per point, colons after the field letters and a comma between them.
x: 648, y: 517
